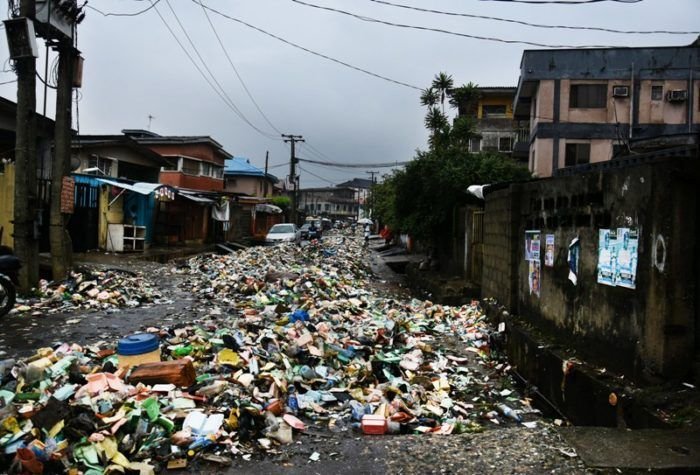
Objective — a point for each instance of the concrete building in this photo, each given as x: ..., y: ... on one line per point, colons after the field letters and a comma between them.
x: 196, y: 162
x: 241, y: 177
x: 591, y: 105
x: 332, y: 202
x: 497, y: 129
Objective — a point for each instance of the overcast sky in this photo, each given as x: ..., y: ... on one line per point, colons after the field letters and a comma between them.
x: 134, y: 68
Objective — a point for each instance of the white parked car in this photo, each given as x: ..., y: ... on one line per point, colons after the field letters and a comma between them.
x: 283, y: 232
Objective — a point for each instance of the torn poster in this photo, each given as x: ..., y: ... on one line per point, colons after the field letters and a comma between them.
x: 534, y: 277
x: 572, y: 259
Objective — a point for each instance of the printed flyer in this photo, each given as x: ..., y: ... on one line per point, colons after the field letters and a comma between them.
x: 534, y: 277
x: 549, y: 250
x: 532, y: 246
x: 607, y: 256
x: 617, y: 257
x: 626, y: 266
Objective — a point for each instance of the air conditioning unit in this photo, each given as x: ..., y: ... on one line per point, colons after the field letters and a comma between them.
x: 677, y: 95
x: 621, y: 91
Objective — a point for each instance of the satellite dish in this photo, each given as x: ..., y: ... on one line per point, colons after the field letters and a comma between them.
x: 74, y: 163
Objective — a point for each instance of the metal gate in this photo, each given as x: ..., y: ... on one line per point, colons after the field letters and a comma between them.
x: 83, y: 224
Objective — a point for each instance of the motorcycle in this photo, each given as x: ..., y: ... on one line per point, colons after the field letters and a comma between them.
x: 9, y: 272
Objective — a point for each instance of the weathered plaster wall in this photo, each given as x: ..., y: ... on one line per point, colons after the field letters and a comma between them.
x: 650, y: 330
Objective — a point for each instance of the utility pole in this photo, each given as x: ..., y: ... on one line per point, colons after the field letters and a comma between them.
x: 267, y: 161
x: 25, y: 212
x: 371, y: 193
x: 61, y: 246
x: 293, y: 139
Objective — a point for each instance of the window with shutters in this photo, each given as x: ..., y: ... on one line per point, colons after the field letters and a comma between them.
x: 577, y: 154
x: 590, y: 96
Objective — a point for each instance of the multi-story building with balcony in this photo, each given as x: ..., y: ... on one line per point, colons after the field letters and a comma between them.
x: 592, y: 105
x: 195, y: 162
x: 496, y: 129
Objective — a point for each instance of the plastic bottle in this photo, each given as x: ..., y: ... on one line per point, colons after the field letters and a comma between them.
x: 182, y: 351
x: 508, y: 412
x: 292, y: 400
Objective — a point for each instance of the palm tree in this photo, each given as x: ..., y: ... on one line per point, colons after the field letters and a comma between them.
x: 443, y: 84
x: 437, y: 123
x: 465, y: 98
x: 428, y: 97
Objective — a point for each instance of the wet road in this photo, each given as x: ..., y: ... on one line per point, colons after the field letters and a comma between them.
x: 509, y: 448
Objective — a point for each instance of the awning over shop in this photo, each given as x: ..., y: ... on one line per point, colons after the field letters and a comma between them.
x: 267, y: 208
x: 191, y: 196
x: 139, y: 187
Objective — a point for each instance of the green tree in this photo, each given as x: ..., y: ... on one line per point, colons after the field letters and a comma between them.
x: 420, y: 198
x: 443, y: 83
x: 429, y: 97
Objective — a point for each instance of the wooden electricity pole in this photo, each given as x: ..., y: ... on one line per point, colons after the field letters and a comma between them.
x: 25, y: 213
x: 61, y: 248
x: 293, y: 139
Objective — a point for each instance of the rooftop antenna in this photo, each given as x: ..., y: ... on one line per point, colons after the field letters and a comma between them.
x: 150, y: 118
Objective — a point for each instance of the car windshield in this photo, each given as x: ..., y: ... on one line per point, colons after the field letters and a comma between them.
x: 282, y: 229
x: 306, y: 226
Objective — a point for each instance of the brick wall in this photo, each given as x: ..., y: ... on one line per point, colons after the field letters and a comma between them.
x: 499, y: 275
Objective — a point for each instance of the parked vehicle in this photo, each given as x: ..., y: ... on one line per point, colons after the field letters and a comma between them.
x: 9, y: 270
x: 283, y: 232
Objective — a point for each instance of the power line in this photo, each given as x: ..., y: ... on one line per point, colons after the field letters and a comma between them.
x: 317, y: 176
x: 315, y: 53
x: 223, y: 96
x: 235, y: 70
x: 446, y: 32
x: 204, y: 63
x: 563, y: 2
x: 8, y: 82
x: 354, y: 165
x: 535, y: 25
x: 122, y: 14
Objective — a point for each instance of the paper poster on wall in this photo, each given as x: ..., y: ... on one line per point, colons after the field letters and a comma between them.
x: 626, y: 267
x: 534, y: 277
x: 549, y: 250
x: 532, y: 246
x: 607, y: 256
x: 572, y: 259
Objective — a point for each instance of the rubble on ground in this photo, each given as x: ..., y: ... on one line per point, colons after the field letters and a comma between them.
x: 91, y: 289
x: 290, y: 339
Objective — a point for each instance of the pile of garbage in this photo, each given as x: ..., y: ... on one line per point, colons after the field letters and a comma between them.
x: 292, y: 340
x: 91, y: 289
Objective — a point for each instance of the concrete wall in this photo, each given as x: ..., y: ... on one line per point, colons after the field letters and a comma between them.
x: 248, y: 185
x: 645, y: 332
x: 499, y: 269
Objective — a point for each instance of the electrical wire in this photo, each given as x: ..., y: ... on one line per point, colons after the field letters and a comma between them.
x: 199, y: 69
x: 122, y: 14
x: 213, y: 76
x: 235, y: 70
x: 447, y: 32
x: 562, y: 2
x: 318, y: 176
x: 315, y: 53
x: 536, y: 25
x: 354, y: 165
x: 346, y: 171
x: 8, y: 82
